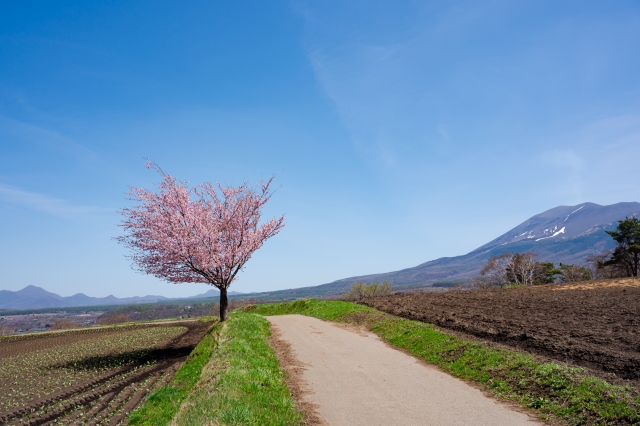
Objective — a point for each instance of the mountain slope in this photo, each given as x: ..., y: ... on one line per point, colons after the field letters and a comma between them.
x: 214, y: 292
x: 565, y: 222
x: 566, y: 234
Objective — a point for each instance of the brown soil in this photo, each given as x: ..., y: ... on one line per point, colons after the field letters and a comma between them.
x: 19, y: 344
x: 593, y: 324
x: 110, y: 396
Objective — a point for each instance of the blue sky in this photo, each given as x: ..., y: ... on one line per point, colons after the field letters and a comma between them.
x: 399, y: 131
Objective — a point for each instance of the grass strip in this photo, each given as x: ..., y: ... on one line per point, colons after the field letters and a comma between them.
x: 160, y: 408
x: 242, y: 383
x: 553, y: 391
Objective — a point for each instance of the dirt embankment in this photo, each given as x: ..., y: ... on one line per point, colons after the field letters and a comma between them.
x: 593, y: 324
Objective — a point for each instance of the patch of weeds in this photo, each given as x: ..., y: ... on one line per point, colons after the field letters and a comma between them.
x: 515, y: 285
x: 538, y: 402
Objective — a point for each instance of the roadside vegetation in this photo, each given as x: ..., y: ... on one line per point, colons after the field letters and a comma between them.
x: 232, y: 378
x: 554, y: 391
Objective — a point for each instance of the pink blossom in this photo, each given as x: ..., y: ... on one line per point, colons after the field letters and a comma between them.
x: 205, y: 234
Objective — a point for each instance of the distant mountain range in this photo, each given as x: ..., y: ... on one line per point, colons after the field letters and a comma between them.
x: 566, y: 234
x: 32, y: 297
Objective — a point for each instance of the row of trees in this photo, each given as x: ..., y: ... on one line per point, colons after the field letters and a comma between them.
x: 509, y: 269
x: 602, y: 268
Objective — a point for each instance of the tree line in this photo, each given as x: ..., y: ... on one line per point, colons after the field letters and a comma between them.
x: 516, y: 269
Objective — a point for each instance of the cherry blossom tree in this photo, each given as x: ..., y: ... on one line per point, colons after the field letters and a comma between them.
x: 205, y: 234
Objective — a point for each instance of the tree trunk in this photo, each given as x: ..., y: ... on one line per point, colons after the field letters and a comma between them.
x: 223, y: 304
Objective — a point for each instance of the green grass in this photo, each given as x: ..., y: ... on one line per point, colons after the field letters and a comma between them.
x: 242, y: 384
x: 553, y: 391
x: 162, y: 406
x: 328, y: 310
x: 231, y: 378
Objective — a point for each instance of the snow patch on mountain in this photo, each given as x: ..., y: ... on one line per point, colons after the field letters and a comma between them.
x: 565, y: 219
x: 554, y: 235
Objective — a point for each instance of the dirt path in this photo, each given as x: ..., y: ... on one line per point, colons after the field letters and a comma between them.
x: 356, y: 379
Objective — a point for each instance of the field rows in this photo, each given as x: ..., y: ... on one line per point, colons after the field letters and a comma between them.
x: 89, y: 377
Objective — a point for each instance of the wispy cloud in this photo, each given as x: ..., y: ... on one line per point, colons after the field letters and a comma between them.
x: 399, y: 71
x: 385, y: 85
x: 47, y: 204
x: 444, y: 133
x: 621, y: 132
x: 44, y: 137
x: 570, y: 167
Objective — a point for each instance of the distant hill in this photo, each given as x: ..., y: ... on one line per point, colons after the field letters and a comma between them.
x: 566, y: 234
x: 214, y: 292
x: 32, y: 297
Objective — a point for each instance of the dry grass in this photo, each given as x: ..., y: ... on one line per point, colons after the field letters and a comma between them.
x: 361, y: 291
x: 590, y: 285
x: 114, y: 319
x: 64, y: 324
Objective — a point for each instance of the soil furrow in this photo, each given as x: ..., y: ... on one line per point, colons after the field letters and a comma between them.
x: 114, y: 388
x: 593, y: 325
x: 108, y: 398
x: 133, y: 400
x: 61, y: 396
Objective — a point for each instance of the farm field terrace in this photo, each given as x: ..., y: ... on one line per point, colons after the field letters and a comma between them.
x: 593, y: 324
x: 95, y: 375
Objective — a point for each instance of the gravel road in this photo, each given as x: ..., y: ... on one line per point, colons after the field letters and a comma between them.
x: 353, y: 378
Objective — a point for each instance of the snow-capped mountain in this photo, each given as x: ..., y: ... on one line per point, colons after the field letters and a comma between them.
x: 565, y: 223
x: 566, y: 234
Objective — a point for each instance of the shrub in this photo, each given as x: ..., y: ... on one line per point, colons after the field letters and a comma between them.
x: 573, y: 273
x: 361, y: 291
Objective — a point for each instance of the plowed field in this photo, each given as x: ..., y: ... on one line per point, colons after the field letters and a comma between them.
x: 593, y: 324
x: 92, y: 377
